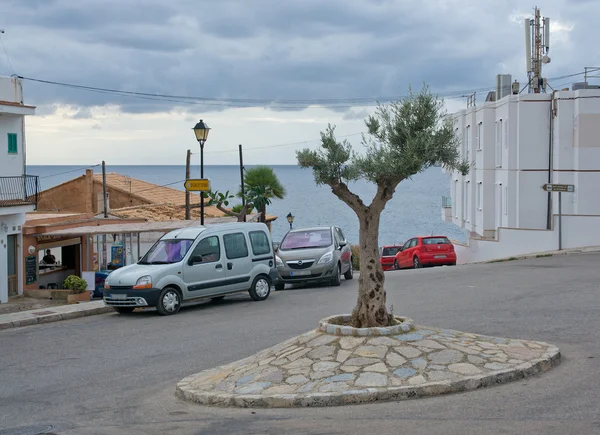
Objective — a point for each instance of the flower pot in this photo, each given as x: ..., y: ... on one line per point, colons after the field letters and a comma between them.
x: 79, y: 297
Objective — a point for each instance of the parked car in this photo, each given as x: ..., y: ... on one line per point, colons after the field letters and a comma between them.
x: 319, y: 254
x: 426, y: 251
x: 387, y: 255
x: 196, y: 263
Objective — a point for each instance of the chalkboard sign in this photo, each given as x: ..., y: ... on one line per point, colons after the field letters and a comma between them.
x: 30, y: 269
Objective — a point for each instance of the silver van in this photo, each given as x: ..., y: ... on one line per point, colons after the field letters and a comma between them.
x: 196, y: 263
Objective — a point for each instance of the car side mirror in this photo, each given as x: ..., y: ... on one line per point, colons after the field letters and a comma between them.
x: 195, y: 260
x: 342, y: 244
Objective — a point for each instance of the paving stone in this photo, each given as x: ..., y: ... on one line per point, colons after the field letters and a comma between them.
x: 321, y: 352
x: 499, y: 359
x: 361, y: 361
x: 315, y: 376
x: 496, y: 366
x: 244, y: 380
x: 308, y: 336
x: 516, y: 361
x: 371, y: 351
x: 464, y: 369
x: 382, y: 341
x: 266, y: 361
x: 465, y: 349
x: 337, y: 387
x: 308, y: 388
x: 322, y: 340
x: 279, y: 362
x: 297, y: 379
x: 441, y: 375
x: 301, y: 371
x: 343, y: 355
x: 302, y: 362
x: 281, y: 389
x: 419, y: 363
x: 446, y: 357
x: 429, y: 344
x: 423, y: 331
x: 379, y: 368
x: 408, y: 352
x: 255, y: 388
x: 287, y: 350
x: 394, y: 360
x: 475, y: 359
x: 416, y: 380
x: 276, y: 376
x: 324, y: 366
x: 436, y: 367
x: 298, y: 354
x: 371, y: 380
x: 408, y: 337
x: 404, y: 372
x: 534, y: 346
x: 485, y: 345
x: 350, y: 369
x: 340, y: 378
x: 350, y: 342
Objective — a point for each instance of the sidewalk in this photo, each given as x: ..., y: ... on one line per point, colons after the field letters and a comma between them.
x: 54, y: 314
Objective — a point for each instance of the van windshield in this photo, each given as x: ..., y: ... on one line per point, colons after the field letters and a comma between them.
x: 307, y: 239
x: 167, y: 251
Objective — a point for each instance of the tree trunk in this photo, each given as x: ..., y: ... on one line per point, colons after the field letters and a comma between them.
x: 263, y: 213
x: 370, y: 310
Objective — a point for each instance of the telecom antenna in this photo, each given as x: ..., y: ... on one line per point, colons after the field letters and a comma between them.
x: 537, y: 44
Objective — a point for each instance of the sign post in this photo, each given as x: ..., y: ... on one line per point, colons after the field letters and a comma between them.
x: 560, y: 188
x: 197, y: 185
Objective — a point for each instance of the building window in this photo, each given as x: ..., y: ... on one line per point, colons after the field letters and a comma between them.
x: 479, y: 135
x: 467, y: 216
x: 504, y: 204
x: 500, y: 204
x: 12, y: 143
x: 468, y: 142
x: 454, y: 193
x: 479, y: 195
x: 505, y: 138
x: 499, y: 144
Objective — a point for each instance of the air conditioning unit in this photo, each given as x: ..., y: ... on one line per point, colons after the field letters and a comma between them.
x: 503, y: 85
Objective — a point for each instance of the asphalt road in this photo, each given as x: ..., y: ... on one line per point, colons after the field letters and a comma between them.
x: 113, y: 374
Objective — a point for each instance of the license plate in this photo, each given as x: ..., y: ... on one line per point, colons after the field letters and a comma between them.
x: 118, y: 297
x: 439, y: 256
x: 300, y: 273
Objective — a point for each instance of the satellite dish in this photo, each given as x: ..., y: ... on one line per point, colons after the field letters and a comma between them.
x: 545, y: 59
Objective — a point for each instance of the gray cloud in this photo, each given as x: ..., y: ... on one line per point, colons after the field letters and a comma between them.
x: 276, y: 50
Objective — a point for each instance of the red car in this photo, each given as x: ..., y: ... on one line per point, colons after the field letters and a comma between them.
x: 426, y: 251
x: 387, y: 255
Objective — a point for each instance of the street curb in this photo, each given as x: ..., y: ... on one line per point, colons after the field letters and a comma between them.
x: 549, y: 359
x: 54, y: 317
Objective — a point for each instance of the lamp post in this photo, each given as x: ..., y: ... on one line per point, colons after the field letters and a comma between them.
x: 290, y: 219
x: 201, y: 132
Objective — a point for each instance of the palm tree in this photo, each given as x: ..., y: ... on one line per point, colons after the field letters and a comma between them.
x: 262, y: 185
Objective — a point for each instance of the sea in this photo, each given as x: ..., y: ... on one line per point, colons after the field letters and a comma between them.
x: 414, y: 210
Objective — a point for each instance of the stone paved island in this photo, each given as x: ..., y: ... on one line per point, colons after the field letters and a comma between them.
x: 321, y: 369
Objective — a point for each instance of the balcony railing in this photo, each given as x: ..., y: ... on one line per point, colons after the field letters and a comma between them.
x: 446, y: 202
x: 20, y: 190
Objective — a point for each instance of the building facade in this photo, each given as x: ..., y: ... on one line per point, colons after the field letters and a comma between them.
x: 515, y: 146
x: 18, y: 191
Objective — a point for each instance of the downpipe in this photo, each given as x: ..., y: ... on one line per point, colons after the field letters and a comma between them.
x: 551, y: 159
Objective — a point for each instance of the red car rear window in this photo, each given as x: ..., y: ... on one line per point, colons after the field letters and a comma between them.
x: 390, y: 251
x: 436, y: 241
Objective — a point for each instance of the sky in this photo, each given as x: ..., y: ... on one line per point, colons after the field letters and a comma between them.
x: 267, y: 74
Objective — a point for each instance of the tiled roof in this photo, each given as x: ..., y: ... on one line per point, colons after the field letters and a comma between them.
x: 164, y: 212
x: 148, y: 192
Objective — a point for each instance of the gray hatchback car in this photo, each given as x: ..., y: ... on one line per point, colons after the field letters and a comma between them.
x: 318, y: 254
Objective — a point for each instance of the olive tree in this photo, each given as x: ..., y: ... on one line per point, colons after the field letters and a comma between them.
x: 403, y: 138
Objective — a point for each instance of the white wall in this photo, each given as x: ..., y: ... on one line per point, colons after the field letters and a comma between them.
x: 11, y: 165
x: 11, y: 89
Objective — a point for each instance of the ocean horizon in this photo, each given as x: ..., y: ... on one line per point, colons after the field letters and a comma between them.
x: 414, y: 210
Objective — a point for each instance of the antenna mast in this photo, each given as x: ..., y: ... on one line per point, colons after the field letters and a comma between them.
x: 537, y: 43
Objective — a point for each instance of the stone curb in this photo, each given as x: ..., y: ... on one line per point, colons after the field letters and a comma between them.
x: 549, y: 359
x: 54, y: 317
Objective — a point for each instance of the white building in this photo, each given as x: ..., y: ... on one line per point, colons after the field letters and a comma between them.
x: 18, y: 191
x: 516, y: 145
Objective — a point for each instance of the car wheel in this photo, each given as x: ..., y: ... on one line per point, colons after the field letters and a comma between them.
x: 416, y: 263
x: 217, y: 298
x: 338, y: 277
x: 124, y: 310
x: 279, y: 286
x: 261, y: 288
x: 349, y: 273
x: 396, y: 265
x: 169, y: 302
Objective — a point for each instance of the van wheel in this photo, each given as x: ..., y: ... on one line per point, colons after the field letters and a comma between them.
x: 124, y: 310
x: 169, y: 302
x: 337, y: 280
x: 349, y: 273
x: 261, y: 288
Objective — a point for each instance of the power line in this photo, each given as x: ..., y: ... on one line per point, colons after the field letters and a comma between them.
x: 68, y: 172
x: 6, y: 52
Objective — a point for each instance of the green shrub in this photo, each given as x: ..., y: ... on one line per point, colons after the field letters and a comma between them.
x: 73, y: 282
x: 355, y: 257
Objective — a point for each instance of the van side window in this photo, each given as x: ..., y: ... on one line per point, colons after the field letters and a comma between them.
x: 235, y: 245
x: 259, y: 242
x: 209, y: 249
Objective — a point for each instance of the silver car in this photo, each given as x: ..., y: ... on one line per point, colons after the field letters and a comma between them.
x: 319, y: 254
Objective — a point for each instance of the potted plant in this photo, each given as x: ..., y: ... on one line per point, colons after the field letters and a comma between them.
x: 78, y: 286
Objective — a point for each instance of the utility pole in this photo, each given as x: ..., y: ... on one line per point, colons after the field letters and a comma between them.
x: 242, y: 180
x: 104, y: 195
x: 187, y: 193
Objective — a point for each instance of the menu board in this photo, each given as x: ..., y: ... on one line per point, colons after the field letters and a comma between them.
x: 117, y: 255
x: 30, y: 269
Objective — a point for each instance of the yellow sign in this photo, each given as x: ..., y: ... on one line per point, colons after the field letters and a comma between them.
x: 198, y: 185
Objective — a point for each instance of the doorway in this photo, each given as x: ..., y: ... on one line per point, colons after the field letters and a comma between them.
x: 13, y: 274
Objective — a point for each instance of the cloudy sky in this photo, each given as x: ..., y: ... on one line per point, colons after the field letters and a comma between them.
x: 264, y: 73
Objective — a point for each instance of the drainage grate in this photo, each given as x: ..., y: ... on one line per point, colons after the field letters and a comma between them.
x: 42, y: 313
x: 29, y: 430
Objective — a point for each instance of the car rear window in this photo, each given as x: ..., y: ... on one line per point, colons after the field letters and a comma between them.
x: 390, y: 251
x: 436, y: 241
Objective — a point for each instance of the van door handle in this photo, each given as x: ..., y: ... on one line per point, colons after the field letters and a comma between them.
x: 219, y: 266
x: 229, y: 266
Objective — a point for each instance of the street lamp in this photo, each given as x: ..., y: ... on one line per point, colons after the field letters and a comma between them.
x: 201, y: 132
x: 290, y: 219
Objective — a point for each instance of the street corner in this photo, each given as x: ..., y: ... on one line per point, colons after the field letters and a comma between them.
x: 324, y: 369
